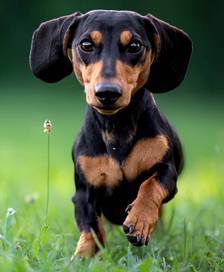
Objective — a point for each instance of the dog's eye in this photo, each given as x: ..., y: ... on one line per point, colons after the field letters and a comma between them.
x: 134, y: 46
x: 87, y: 46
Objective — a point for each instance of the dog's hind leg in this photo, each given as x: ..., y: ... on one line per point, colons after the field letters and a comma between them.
x: 88, y: 221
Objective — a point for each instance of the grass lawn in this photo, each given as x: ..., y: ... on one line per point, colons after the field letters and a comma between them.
x: 193, y: 235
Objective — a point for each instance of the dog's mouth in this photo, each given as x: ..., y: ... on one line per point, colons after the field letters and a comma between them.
x: 107, y: 110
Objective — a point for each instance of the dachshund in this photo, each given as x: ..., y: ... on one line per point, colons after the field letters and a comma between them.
x: 127, y: 156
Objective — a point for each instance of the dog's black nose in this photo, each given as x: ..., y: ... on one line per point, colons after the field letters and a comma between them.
x: 107, y: 93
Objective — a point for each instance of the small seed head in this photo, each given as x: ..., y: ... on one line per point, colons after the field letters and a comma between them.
x: 10, y: 212
x: 47, y: 126
x: 29, y: 199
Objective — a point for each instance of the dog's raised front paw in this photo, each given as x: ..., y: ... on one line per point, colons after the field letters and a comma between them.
x: 140, y: 221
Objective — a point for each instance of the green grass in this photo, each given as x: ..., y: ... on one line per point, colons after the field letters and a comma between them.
x: 193, y: 235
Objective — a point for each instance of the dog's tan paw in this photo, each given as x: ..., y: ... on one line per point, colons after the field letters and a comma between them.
x: 140, y: 222
x: 143, y: 212
x: 86, y: 246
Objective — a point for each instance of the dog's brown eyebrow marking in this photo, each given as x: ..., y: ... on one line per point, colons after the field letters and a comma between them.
x: 145, y: 154
x: 96, y: 37
x: 101, y: 170
x: 125, y: 37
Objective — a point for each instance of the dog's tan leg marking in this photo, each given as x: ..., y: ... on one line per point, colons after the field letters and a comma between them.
x: 143, y: 212
x: 86, y: 246
x: 145, y: 154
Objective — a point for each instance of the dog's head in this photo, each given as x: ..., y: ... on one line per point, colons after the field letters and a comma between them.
x: 112, y: 53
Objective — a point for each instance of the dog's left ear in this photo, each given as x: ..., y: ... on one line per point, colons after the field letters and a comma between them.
x: 48, y: 54
x: 172, y: 48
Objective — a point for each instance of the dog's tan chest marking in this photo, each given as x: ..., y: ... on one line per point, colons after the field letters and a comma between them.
x: 105, y: 171
x: 101, y: 171
x: 145, y: 154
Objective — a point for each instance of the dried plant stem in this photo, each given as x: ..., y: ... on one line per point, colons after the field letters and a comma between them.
x: 48, y: 179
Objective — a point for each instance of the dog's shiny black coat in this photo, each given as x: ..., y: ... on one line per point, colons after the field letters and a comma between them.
x: 142, y: 116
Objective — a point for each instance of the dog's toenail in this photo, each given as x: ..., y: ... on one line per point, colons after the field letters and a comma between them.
x: 138, y: 238
x: 128, y: 208
x: 126, y: 228
x: 143, y: 240
x: 131, y: 228
x: 146, y: 241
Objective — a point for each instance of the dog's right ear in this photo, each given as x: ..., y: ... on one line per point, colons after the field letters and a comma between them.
x: 48, y: 54
x: 172, y: 47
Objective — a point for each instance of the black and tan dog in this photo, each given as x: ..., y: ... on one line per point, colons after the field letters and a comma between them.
x: 127, y: 156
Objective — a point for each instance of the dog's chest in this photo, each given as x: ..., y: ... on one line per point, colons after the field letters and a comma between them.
x: 104, y: 170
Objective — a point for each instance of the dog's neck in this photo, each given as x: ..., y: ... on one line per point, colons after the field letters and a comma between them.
x: 122, y: 128
x: 119, y: 132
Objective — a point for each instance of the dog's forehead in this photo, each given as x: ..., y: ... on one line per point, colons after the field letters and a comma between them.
x: 112, y: 21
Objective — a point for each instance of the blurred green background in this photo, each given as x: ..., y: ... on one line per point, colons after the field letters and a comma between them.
x: 195, y: 108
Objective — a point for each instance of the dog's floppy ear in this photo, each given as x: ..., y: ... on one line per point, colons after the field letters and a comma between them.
x: 48, y: 54
x: 173, y: 49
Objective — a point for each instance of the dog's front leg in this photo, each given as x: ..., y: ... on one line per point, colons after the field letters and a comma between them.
x: 87, y: 221
x: 143, y: 211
